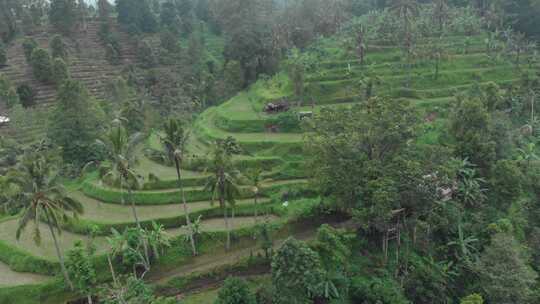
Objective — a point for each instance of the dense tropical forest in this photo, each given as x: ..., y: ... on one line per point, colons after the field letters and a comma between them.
x: 269, y: 151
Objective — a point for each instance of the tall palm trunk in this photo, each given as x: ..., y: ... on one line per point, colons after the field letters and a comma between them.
x: 256, y: 208
x: 59, y: 253
x: 223, y: 204
x: 145, y: 243
x: 133, y: 208
x: 184, y: 203
x: 138, y: 223
x: 232, y: 217
x: 111, y: 268
x: 228, y: 245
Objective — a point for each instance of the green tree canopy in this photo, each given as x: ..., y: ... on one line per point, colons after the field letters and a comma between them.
x: 63, y: 15
x: 58, y: 47
x: 136, y: 15
x: 59, y: 71
x: 28, y: 45
x: 470, y: 126
x: 296, y: 273
x: 504, y: 272
x: 41, y: 65
x: 81, y: 269
x: 235, y: 291
x: 75, y: 123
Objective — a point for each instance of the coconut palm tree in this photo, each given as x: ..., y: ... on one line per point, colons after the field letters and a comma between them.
x: 44, y: 199
x: 255, y: 179
x: 121, y: 158
x: 174, y: 140
x: 120, y: 149
x: 440, y: 12
x: 405, y: 10
x: 222, y: 182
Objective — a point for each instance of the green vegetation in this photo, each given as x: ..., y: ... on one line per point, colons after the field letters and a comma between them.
x: 41, y: 65
x: 58, y: 48
x: 63, y: 15
x: 341, y: 151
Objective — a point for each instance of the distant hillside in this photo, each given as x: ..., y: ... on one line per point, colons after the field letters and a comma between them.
x: 86, y: 62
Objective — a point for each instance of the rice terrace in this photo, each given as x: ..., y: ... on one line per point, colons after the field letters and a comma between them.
x: 269, y: 151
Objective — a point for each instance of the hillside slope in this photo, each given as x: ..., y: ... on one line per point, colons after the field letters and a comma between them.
x: 86, y: 62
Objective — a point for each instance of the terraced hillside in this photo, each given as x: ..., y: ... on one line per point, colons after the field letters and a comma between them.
x: 341, y: 81
x: 87, y: 63
x: 271, y: 141
x: 157, y: 201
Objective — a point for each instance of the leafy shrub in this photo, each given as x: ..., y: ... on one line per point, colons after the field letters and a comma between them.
x: 8, y: 94
x: 428, y: 283
x: 288, y: 121
x: 29, y: 45
x: 472, y: 299
x: 296, y: 273
x: 372, y: 290
x: 264, y: 294
x: 26, y: 95
x: 60, y: 71
x: 111, y: 54
x: 111, y: 43
x: 3, y: 55
x: 169, y: 41
x: 104, y: 31
x: 145, y: 55
x: 41, y: 65
x: 63, y: 14
x: 235, y: 291
x: 58, y: 47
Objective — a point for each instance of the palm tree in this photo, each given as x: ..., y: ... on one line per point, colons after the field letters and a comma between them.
x: 174, y: 141
x: 120, y: 149
x: 255, y: 179
x: 440, y: 12
x: 120, y: 153
x: 405, y: 9
x: 222, y: 181
x: 45, y: 200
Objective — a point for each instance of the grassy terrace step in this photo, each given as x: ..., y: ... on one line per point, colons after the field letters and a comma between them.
x: 199, y: 150
x: 251, y: 142
x: 105, y: 214
x: 470, y: 61
x: 164, y: 197
x: 424, y: 81
x: 240, y: 116
x: 391, y: 56
x: 445, y: 92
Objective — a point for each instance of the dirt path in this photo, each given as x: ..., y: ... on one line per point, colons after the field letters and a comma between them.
x: 208, y: 262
